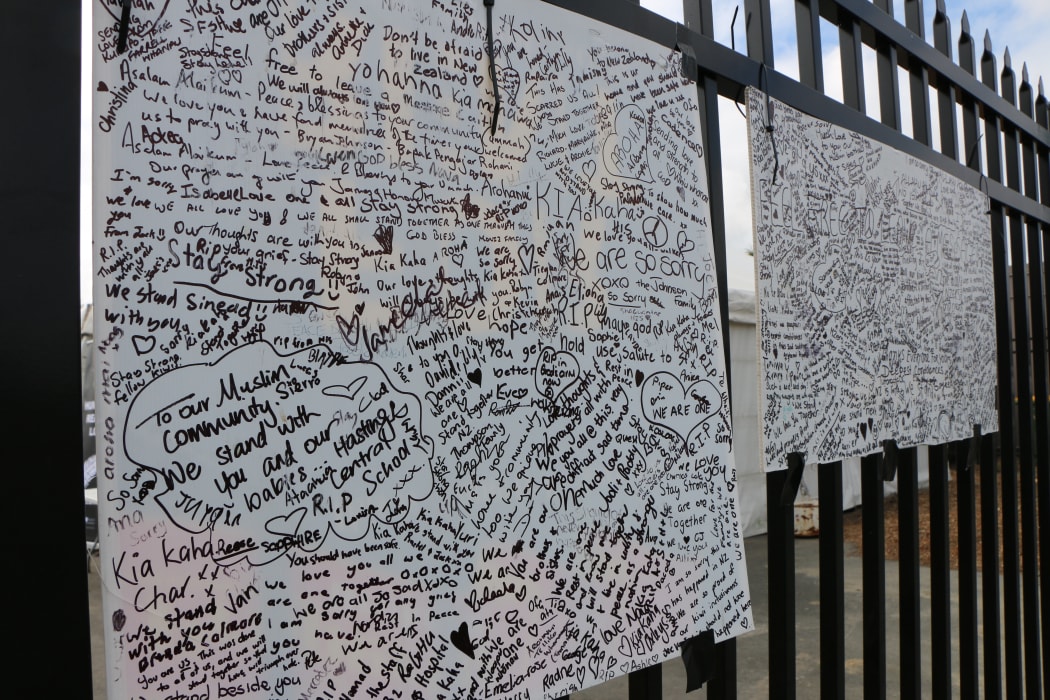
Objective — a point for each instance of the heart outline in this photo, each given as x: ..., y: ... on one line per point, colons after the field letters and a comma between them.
x: 663, y: 390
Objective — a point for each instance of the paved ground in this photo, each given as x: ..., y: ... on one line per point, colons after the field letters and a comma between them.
x: 752, y: 649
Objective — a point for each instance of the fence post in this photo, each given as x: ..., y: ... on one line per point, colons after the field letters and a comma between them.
x: 698, y: 16
x: 1037, y: 242
x: 1023, y: 398
x: 781, y: 488
x: 874, y: 576
x: 1008, y: 459
x: 940, y: 565
x: 1036, y: 402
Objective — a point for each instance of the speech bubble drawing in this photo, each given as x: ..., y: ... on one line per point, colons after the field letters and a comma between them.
x: 271, y: 452
x: 669, y: 404
x: 556, y: 371
x: 626, y: 150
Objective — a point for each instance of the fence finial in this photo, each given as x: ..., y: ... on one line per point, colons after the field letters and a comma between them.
x: 987, y: 42
x: 1006, y: 60
x: 941, y: 8
x: 965, y: 24
x: 1024, y: 74
x: 1041, y: 93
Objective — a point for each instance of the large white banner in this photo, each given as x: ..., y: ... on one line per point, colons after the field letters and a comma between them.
x: 393, y: 405
x: 875, y: 297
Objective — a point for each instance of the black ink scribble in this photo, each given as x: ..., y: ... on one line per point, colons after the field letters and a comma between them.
x: 119, y: 620
x: 470, y: 210
x: 385, y: 237
x: 702, y: 402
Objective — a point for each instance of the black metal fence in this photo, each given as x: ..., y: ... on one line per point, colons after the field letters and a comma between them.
x: 1001, y: 123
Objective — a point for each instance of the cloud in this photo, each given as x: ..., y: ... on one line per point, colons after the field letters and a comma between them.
x: 270, y: 452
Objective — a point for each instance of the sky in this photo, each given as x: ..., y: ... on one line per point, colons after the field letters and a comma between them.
x: 1020, y: 24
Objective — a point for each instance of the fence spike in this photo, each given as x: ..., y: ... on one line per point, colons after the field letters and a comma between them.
x: 1024, y: 74
x: 1041, y: 93
x: 940, y: 7
x: 987, y: 42
x: 965, y: 24
x: 1006, y: 60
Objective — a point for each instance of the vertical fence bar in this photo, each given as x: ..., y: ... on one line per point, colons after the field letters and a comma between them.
x: 758, y: 23
x: 646, y: 683
x: 1037, y: 241
x: 908, y: 479
x: 889, y: 87
x: 942, y: 41
x: 807, y: 32
x: 781, y: 487
x: 872, y: 473
x: 698, y: 16
x: 989, y: 492
x: 940, y: 576
x: 1023, y: 400
x: 1039, y: 367
x: 832, y: 584
x: 39, y: 196
x: 832, y: 566
x: 965, y: 505
x: 1008, y: 480
x: 850, y: 44
x: 993, y: 656
x: 872, y: 467
x: 918, y: 75
x: 908, y: 554
x: 940, y: 563
x: 874, y: 577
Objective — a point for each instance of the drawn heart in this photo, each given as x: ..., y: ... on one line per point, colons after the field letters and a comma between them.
x: 527, y: 255
x: 475, y: 376
x: 478, y: 79
x: 556, y: 371
x: 533, y: 630
x: 639, y: 377
x: 461, y: 640
x: 509, y: 80
x: 286, y: 524
x: 102, y: 87
x: 590, y: 168
x: 349, y: 391
x: 458, y: 259
x: 685, y: 243
x: 665, y: 402
x: 143, y: 343
x: 359, y: 308
x: 119, y: 620
x: 626, y: 150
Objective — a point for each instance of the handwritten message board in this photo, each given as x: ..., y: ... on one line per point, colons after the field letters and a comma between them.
x: 392, y: 405
x: 874, y: 280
